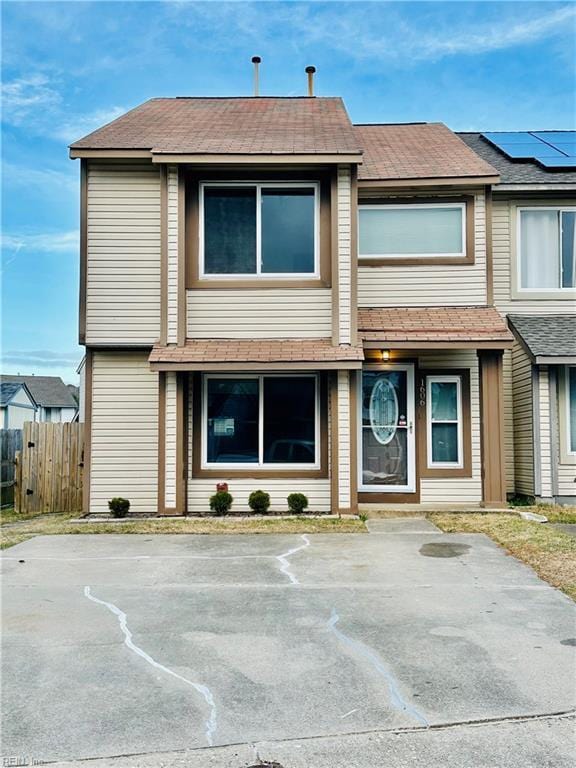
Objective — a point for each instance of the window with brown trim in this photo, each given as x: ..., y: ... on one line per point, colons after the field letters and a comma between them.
x: 258, y: 425
x: 445, y: 435
x: 416, y: 231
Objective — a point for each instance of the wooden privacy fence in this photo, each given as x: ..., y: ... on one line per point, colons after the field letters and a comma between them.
x: 10, y: 443
x: 49, y: 468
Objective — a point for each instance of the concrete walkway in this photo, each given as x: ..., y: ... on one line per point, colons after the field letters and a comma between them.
x: 325, y: 650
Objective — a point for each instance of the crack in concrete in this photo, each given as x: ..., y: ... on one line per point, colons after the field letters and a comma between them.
x: 283, y: 559
x: 367, y: 653
x: 203, y: 690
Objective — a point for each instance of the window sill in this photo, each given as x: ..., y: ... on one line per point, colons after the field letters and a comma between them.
x: 260, y: 283
x: 567, y: 294
x: 408, y: 261
x: 259, y: 473
x: 445, y: 472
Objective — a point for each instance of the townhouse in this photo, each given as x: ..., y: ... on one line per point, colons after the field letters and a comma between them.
x: 274, y: 298
x: 534, y: 286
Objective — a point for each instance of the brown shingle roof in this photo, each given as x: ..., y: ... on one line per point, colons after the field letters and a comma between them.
x: 416, y: 151
x: 196, y: 354
x: 422, y: 325
x: 230, y: 126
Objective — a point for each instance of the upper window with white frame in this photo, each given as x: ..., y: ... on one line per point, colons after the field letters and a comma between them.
x: 258, y: 421
x: 268, y: 230
x: 412, y: 230
x: 444, y: 422
x: 547, y: 248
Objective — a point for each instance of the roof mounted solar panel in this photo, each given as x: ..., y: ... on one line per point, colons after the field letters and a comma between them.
x: 550, y: 149
x: 558, y: 162
x: 529, y: 151
x: 556, y: 138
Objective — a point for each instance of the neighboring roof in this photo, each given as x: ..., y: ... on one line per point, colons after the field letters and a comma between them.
x: 413, y: 327
x: 546, y: 337
x: 209, y: 354
x: 47, y: 391
x: 223, y: 126
x: 74, y: 391
x: 417, y: 151
x: 8, y: 389
x: 515, y: 171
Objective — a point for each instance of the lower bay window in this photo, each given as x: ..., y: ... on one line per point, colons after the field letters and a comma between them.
x: 267, y: 421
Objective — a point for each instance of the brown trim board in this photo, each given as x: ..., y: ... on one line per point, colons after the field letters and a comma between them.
x: 334, y: 453
x: 88, y: 388
x: 224, y: 473
x: 83, y: 251
x: 161, y: 442
x: 492, y: 429
x: 163, y: 254
x: 181, y: 443
x: 489, y: 247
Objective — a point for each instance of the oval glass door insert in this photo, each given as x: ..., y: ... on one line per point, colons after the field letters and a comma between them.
x: 383, y: 411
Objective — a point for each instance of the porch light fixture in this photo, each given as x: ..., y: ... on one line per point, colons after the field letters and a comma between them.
x: 385, y: 354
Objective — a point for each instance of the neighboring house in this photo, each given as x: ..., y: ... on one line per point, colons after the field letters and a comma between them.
x: 274, y: 298
x: 16, y: 405
x: 534, y: 285
x: 54, y: 400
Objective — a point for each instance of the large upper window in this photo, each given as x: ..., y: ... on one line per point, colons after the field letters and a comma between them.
x: 444, y: 417
x: 257, y: 421
x: 267, y: 229
x: 412, y: 230
x: 547, y: 248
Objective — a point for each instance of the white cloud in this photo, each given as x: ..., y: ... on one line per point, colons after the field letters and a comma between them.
x: 73, y: 127
x: 27, y: 95
x: 45, y: 179
x: 53, y: 242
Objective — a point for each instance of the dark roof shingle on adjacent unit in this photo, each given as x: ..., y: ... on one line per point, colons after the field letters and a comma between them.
x: 47, y: 391
x: 417, y: 151
x: 403, y: 326
x: 546, y: 336
x: 243, y: 125
x: 515, y: 171
x: 8, y: 389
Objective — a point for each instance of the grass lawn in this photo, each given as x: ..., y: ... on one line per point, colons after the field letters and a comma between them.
x: 42, y: 525
x: 550, y: 552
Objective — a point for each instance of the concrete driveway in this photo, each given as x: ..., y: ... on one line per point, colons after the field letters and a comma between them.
x: 306, y: 650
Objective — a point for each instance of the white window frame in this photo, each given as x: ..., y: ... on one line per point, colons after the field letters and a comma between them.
x: 569, y: 450
x: 258, y: 274
x: 530, y: 291
x: 260, y: 464
x: 451, y: 379
x: 412, y: 206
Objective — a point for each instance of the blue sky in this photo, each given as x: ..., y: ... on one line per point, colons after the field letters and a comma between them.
x: 69, y: 67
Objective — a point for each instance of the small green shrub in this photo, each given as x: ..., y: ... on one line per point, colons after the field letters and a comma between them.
x: 259, y: 502
x: 221, y: 502
x: 119, y: 506
x: 297, y: 503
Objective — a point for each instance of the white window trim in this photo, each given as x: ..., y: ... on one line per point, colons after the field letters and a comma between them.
x: 569, y: 452
x: 260, y: 464
x: 459, y: 421
x: 539, y: 292
x: 415, y: 255
x: 259, y: 275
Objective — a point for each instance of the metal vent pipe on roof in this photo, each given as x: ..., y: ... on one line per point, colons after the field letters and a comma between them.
x: 256, y: 61
x: 310, y: 72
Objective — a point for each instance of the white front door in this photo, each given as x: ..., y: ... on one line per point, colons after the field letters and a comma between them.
x: 386, y: 420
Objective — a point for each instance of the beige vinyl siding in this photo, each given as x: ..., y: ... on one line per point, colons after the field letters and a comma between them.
x: 567, y: 480
x: 545, y: 447
x: 259, y: 313
x: 123, y: 253
x: 344, y: 276
x: 457, y: 490
x: 170, y: 442
x: 172, y: 281
x: 428, y: 285
x: 199, y: 490
x: 344, y: 440
x: 523, y: 421
x: 124, y: 443
x: 504, y: 249
x: 508, y: 419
